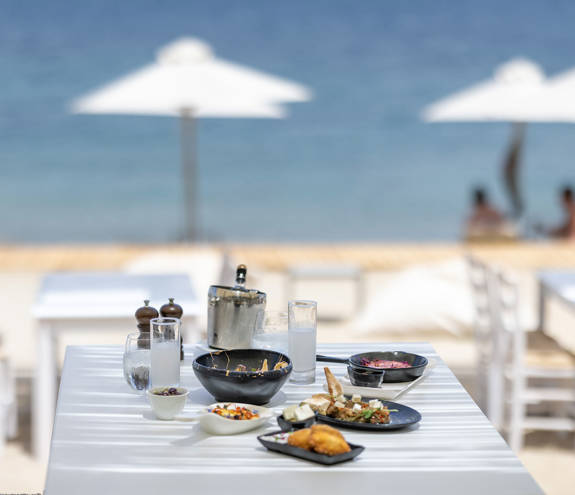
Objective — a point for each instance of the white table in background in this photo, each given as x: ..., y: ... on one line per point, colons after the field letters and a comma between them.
x: 559, y: 284
x: 106, y: 441
x: 91, y: 301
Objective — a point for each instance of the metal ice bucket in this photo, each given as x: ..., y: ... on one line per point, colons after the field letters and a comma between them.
x: 232, y: 313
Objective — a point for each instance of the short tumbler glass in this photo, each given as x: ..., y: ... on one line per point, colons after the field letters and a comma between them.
x: 137, y: 361
x: 302, y: 336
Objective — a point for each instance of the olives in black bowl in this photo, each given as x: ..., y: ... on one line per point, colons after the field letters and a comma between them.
x: 216, y: 371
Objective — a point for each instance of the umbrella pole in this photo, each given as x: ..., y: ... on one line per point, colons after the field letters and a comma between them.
x: 512, y: 167
x: 188, y: 157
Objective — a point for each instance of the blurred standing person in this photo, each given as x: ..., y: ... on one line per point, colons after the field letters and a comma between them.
x: 486, y: 222
x: 567, y: 229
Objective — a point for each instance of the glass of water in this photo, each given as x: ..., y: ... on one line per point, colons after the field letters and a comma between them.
x: 302, y: 336
x: 271, y: 331
x: 137, y: 361
x: 165, y: 355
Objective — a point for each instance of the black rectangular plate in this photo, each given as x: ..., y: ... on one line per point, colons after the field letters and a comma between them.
x: 326, y: 460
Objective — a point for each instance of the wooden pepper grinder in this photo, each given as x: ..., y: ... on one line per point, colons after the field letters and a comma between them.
x: 173, y: 310
x: 143, y: 315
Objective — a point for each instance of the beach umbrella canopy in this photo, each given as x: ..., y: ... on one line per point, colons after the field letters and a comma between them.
x: 188, y: 81
x: 504, y: 97
x: 554, y: 102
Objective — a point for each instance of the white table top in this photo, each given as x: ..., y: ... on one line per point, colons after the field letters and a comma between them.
x: 561, y: 282
x: 105, y: 441
x: 110, y: 295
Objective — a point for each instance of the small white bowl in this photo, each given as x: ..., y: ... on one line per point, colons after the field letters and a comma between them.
x: 218, y: 425
x: 167, y: 407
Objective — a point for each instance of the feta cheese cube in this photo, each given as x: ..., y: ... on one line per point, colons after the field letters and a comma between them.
x: 375, y: 404
x: 339, y: 404
x: 356, y: 398
x: 290, y: 412
x: 303, y: 412
x: 356, y: 407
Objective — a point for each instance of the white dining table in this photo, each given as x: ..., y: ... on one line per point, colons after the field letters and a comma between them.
x: 91, y: 301
x: 558, y: 284
x: 106, y: 440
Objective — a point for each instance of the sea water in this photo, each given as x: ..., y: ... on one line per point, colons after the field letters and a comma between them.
x: 373, y: 169
x: 301, y: 343
x: 165, y: 366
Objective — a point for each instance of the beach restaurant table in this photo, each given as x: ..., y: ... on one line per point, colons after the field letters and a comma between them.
x: 106, y: 440
x: 80, y: 302
x: 559, y: 284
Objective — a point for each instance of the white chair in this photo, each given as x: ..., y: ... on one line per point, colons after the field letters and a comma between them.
x: 530, y: 379
x: 512, y: 372
x: 8, y: 406
x: 488, y: 378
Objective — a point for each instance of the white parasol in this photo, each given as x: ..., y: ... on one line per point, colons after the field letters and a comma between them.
x: 188, y: 81
x: 514, y: 86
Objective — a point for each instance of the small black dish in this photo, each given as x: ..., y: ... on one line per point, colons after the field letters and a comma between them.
x: 286, y: 425
x: 215, y: 372
x: 283, y: 448
x: 362, y: 377
x: 405, y: 416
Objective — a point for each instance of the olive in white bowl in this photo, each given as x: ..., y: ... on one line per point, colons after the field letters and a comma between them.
x: 167, y: 402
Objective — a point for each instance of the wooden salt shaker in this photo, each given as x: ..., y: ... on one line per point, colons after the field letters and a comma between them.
x: 143, y: 315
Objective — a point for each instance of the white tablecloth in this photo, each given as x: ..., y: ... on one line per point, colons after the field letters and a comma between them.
x: 105, y: 442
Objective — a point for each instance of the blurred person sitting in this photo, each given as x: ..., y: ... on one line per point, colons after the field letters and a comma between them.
x: 486, y: 223
x: 565, y: 230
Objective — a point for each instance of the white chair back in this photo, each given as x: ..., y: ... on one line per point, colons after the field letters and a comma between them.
x: 479, y: 278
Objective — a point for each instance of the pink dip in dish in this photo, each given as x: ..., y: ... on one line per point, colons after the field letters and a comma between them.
x: 384, y: 363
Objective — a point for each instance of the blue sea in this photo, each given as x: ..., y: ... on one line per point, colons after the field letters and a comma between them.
x: 354, y: 164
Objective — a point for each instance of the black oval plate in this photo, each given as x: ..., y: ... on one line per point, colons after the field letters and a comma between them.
x: 405, y: 416
x: 327, y: 460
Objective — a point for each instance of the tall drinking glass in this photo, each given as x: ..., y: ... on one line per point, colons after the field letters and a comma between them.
x: 302, y: 336
x: 165, y: 369
x: 137, y: 361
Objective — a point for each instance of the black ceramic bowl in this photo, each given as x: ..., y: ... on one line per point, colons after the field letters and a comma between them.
x: 417, y: 365
x: 286, y: 425
x: 215, y: 372
x: 362, y: 377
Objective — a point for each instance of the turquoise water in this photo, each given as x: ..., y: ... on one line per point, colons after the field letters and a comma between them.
x: 356, y: 163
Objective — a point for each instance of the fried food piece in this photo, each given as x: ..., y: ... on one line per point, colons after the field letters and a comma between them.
x: 300, y: 438
x: 326, y: 429
x: 333, y: 385
x: 327, y: 440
